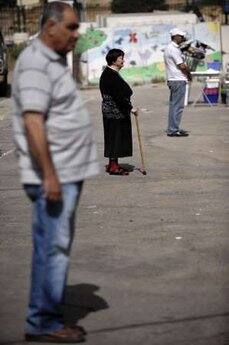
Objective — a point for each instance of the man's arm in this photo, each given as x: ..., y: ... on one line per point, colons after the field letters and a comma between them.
x: 185, y: 70
x: 38, y: 145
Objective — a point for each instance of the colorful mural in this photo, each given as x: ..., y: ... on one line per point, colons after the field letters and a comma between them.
x: 143, y: 47
x: 92, y: 38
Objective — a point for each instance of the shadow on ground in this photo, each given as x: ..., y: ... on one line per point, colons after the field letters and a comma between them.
x: 80, y: 301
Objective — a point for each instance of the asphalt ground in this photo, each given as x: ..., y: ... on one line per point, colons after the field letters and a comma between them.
x: 149, y: 264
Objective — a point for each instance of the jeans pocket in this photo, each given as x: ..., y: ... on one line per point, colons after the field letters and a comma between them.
x: 33, y: 191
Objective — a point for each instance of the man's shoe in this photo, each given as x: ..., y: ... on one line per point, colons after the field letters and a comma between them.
x: 66, y: 335
x: 178, y: 134
x: 183, y: 131
x: 79, y: 328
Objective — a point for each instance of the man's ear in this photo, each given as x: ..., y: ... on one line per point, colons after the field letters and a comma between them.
x: 50, y: 27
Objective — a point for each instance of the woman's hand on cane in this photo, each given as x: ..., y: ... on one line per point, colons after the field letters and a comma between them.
x: 135, y: 111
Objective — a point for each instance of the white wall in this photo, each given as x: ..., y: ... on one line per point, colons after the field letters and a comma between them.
x: 139, y: 19
x: 27, y: 2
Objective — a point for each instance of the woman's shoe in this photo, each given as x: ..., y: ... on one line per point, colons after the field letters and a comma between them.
x: 119, y: 171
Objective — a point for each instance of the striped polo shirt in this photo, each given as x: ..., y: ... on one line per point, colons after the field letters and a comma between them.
x: 42, y: 82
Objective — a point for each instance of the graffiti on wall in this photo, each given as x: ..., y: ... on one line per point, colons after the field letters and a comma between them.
x: 143, y: 47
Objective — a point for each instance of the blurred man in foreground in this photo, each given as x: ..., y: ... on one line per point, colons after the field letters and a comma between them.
x: 178, y: 74
x: 56, y: 152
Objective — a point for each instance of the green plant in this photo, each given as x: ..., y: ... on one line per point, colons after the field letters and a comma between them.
x: 94, y: 4
x: 15, y: 50
x: 7, y: 3
x: 208, y: 2
x: 134, y: 6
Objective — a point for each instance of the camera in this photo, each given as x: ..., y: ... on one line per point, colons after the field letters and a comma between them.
x: 194, y: 52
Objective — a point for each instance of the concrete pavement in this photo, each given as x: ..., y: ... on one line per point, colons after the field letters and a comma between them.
x: 149, y: 264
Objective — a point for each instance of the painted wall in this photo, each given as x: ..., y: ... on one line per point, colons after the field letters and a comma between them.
x: 225, y: 47
x: 143, y: 47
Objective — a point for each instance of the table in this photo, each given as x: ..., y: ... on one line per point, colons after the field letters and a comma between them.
x: 209, y: 73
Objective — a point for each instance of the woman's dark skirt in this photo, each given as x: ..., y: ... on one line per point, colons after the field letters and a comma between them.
x: 117, y: 137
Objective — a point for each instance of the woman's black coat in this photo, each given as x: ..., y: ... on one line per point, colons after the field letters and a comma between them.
x: 116, y: 108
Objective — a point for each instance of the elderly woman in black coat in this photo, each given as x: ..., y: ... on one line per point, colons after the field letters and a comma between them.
x: 116, y: 109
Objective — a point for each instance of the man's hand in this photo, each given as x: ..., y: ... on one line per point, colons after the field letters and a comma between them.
x: 189, y: 76
x: 185, y: 70
x: 52, y: 188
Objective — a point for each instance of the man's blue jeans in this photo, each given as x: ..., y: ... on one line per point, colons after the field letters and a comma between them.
x: 53, y: 231
x: 176, y: 104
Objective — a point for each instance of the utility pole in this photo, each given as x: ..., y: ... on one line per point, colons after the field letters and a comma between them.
x: 21, y: 16
x: 226, y: 10
x: 80, y: 8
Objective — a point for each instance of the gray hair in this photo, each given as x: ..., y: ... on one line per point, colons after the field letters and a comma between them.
x: 53, y: 10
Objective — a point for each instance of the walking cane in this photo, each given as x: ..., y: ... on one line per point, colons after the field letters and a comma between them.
x: 143, y: 169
